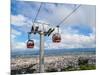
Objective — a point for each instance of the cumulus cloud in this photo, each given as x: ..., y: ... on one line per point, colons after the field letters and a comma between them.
x: 18, y: 45
x: 14, y: 34
x: 24, y: 24
x: 73, y: 41
x: 84, y: 41
x: 20, y: 20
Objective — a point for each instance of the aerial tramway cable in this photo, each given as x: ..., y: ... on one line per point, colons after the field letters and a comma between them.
x: 56, y: 38
x: 36, y: 18
x: 37, y: 13
x: 30, y: 42
x: 68, y: 15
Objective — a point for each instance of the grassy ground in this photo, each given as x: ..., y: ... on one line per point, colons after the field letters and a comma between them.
x: 87, y: 67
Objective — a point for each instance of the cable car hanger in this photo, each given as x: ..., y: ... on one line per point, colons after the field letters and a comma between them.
x: 30, y: 43
x: 37, y: 13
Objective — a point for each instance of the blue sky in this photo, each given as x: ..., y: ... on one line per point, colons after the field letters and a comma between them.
x: 78, y: 31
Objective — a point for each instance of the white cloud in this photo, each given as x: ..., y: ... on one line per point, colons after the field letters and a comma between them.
x: 13, y: 31
x: 20, y: 20
x: 14, y: 34
x: 14, y: 43
x: 17, y: 20
x: 19, y: 45
x: 68, y: 41
x: 73, y: 41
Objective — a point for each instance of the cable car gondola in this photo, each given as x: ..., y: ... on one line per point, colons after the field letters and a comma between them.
x: 56, y: 38
x: 30, y: 43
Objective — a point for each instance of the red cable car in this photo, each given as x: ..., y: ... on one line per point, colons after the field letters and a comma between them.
x: 30, y: 44
x: 56, y: 38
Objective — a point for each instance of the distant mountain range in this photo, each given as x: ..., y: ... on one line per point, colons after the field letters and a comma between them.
x: 68, y: 49
x: 53, y: 52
